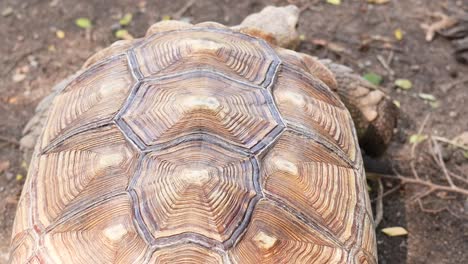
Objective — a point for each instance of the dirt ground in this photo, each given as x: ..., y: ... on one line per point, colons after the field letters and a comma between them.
x: 33, y: 59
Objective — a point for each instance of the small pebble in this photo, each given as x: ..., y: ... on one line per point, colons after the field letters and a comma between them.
x: 453, y: 114
x: 18, y: 77
x: 9, y: 175
x: 7, y: 11
x: 186, y: 19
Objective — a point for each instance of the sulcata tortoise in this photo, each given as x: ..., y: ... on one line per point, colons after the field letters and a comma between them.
x: 203, y: 144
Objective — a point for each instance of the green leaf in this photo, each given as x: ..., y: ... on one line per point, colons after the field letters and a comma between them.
x: 334, y: 2
x: 465, y: 154
x: 83, y: 22
x: 427, y: 97
x: 166, y: 18
x: 373, y: 78
x: 434, y: 104
x: 394, y: 231
x: 398, y: 34
x: 126, y: 20
x: 121, y: 34
x: 417, y: 138
x: 19, y: 177
x: 404, y: 84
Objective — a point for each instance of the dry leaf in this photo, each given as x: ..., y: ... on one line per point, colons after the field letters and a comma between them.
x: 404, y: 84
x: 19, y: 177
x: 18, y: 77
x: 13, y: 100
x: 398, y: 34
x: 125, y: 20
x: 51, y: 48
x: 417, y: 138
x: 7, y: 11
x: 394, y: 231
x: 427, y: 97
x: 83, y: 22
x: 378, y: 2
x: 60, y: 34
x: 123, y: 34
x: 334, y: 2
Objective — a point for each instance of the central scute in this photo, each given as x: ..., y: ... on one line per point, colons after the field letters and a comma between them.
x: 196, y: 187
x: 202, y: 103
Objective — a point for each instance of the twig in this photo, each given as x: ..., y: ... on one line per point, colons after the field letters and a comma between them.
x: 9, y: 140
x: 390, y: 57
x: 447, y: 87
x: 440, y: 161
x: 436, y: 211
x: 444, y: 22
x: 379, y: 204
x: 385, y: 65
x: 432, y: 186
x: 183, y: 9
x: 386, y: 193
x: 458, y: 177
x: 413, y: 148
x: 309, y: 6
x: 451, y: 142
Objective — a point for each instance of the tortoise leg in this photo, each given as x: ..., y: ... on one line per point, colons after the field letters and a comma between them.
x: 373, y: 112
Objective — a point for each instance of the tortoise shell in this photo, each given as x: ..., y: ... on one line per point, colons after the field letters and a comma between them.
x: 196, y: 144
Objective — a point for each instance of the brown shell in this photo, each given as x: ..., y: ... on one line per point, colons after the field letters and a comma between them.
x: 196, y: 145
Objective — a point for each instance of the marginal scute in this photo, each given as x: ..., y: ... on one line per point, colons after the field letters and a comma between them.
x: 188, y: 253
x: 167, y: 25
x: 202, y: 103
x: 364, y: 258
x: 234, y: 54
x: 309, y: 104
x: 308, y: 177
x: 103, y: 233
x: 91, y: 100
x: 85, y: 167
x: 197, y: 188
x: 23, y: 247
x: 277, y: 236
x: 308, y: 64
x: 22, y: 218
x: 210, y: 24
x: 117, y: 47
x: 368, y: 242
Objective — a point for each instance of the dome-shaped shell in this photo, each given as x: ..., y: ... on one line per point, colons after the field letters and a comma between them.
x: 196, y: 145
